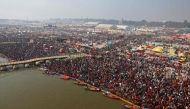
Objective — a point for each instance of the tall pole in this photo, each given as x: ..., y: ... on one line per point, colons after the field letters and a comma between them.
x: 92, y: 39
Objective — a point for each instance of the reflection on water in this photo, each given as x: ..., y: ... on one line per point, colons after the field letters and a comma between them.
x: 30, y: 89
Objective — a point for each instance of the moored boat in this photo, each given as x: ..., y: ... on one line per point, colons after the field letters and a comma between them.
x: 43, y: 69
x: 92, y: 88
x: 65, y: 77
x: 51, y: 73
x: 79, y: 83
x: 110, y: 95
x: 127, y: 106
x: 74, y: 79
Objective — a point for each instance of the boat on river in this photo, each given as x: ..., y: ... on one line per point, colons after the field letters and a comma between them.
x: 92, y: 88
x: 127, y: 106
x: 110, y: 95
x: 65, y: 77
x: 43, y: 69
x: 79, y: 83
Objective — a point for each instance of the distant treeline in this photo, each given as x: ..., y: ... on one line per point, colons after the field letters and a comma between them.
x: 135, y: 23
x: 145, y: 23
x: 172, y: 24
x: 16, y: 20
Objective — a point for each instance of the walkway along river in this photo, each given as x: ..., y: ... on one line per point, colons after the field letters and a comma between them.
x: 28, y: 88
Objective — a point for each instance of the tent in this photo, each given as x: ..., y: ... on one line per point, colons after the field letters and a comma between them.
x: 158, y: 49
x: 171, y: 54
x: 170, y: 47
x: 143, y: 46
x: 171, y: 51
x: 149, y: 46
x: 109, y: 42
x: 148, y: 52
x: 182, y: 59
x: 139, y: 49
x: 181, y: 54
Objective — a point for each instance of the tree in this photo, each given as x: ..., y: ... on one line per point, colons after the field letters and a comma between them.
x: 185, y: 22
x: 144, y: 21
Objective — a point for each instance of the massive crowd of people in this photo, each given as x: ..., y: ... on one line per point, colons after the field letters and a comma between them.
x: 18, y: 51
x: 150, y: 81
x: 147, y: 80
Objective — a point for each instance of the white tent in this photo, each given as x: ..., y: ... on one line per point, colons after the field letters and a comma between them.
x: 140, y: 48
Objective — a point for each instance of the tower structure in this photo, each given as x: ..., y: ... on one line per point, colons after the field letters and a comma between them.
x: 121, y: 21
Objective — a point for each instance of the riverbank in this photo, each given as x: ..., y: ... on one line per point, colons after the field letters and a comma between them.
x: 122, y: 99
x: 30, y: 89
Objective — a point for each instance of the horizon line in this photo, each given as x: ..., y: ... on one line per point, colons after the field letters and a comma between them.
x: 84, y: 19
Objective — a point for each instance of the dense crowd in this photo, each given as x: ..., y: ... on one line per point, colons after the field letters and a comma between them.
x: 147, y: 80
x: 18, y: 51
x: 137, y: 77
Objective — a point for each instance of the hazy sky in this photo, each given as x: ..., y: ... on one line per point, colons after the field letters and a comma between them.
x: 150, y: 10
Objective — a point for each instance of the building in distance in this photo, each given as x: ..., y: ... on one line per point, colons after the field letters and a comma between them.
x: 91, y: 24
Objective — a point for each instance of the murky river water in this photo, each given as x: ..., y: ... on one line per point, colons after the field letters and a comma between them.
x: 3, y: 60
x: 28, y: 88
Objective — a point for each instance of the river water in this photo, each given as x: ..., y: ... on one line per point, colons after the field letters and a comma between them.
x: 28, y: 88
x: 3, y: 60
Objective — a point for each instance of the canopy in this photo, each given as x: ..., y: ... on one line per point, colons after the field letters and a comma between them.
x: 177, y: 50
x: 182, y: 59
x: 181, y: 54
x: 143, y: 46
x: 170, y: 47
x: 148, y: 52
x: 149, y: 46
x: 157, y: 49
x: 171, y: 53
